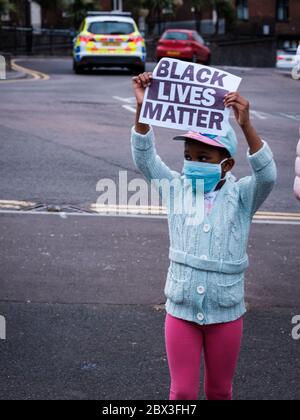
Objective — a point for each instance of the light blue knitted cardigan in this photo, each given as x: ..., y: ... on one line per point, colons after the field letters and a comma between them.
x: 205, y: 281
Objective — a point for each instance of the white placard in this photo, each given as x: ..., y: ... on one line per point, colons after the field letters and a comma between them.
x: 188, y: 96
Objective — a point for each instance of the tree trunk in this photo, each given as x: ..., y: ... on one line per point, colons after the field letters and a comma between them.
x: 198, y: 19
x: 158, y: 19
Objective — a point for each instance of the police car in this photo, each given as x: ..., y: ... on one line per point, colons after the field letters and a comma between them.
x: 109, y: 40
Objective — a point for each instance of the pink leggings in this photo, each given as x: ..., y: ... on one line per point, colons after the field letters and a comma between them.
x: 184, y: 343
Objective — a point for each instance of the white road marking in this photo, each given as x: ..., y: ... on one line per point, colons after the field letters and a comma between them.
x: 65, y: 215
x: 263, y: 116
x: 130, y: 108
x: 237, y: 68
x: 275, y: 222
x: 291, y: 117
x: 12, y: 204
x: 259, y: 115
x: 130, y: 100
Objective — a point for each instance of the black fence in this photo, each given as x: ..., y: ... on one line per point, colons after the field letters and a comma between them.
x: 16, y: 40
x: 253, y: 52
x: 246, y: 51
x: 242, y: 52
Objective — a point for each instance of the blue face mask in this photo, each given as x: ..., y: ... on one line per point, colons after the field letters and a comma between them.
x: 210, y: 173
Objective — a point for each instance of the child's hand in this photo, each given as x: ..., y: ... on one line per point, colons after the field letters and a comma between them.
x: 240, y: 106
x: 241, y: 109
x: 140, y: 83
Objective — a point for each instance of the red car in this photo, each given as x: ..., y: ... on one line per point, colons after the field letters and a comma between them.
x: 184, y: 45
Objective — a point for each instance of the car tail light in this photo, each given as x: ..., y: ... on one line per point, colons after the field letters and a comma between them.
x: 86, y: 39
x: 280, y: 57
x: 135, y: 39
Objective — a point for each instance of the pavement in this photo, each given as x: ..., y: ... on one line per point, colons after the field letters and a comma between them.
x: 21, y: 74
x: 82, y: 294
x: 15, y: 75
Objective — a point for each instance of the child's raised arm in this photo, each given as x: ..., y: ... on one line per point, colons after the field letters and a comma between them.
x: 241, y: 108
x: 140, y: 83
x: 144, y: 152
x: 254, y: 189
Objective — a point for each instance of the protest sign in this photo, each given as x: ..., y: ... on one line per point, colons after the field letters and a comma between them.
x: 187, y: 96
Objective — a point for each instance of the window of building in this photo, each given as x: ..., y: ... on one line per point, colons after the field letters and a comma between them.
x: 283, y: 10
x: 242, y: 8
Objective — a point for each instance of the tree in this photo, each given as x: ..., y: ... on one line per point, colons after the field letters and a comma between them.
x: 199, y: 6
x: 52, y: 4
x: 156, y: 7
x: 224, y: 9
x: 134, y: 6
x: 5, y: 7
x: 79, y: 8
x: 76, y: 9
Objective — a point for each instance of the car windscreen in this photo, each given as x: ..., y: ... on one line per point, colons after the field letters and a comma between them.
x: 176, y: 36
x: 111, y: 28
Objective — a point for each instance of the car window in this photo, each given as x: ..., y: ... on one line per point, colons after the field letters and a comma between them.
x: 177, y: 36
x: 198, y: 38
x: 111, y: 28
x: 287, y: 52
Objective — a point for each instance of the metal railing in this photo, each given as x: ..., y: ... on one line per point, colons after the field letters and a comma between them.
x: 22, y: 40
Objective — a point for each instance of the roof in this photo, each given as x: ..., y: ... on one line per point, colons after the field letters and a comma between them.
x: 108, y: 18
x: 180, y: 30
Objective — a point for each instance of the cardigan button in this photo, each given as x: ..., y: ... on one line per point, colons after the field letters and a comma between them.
x: 201, y: 290
x: 200, y: 316
x: 206, y: 228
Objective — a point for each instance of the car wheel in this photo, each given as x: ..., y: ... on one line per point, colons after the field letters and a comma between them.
x: 77, y: 68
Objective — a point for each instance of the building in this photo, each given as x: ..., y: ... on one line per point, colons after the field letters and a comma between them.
x: 33, y: 13
x: 254, y: 18
x: 279, y: 18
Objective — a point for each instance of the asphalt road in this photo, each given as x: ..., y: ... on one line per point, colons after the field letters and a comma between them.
x: 75, y: 129
x: 83, y: 295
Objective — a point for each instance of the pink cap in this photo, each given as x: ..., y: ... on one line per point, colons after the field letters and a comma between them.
x: 207, y: 139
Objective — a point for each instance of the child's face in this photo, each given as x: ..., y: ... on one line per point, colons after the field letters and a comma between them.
x: 201, y: 152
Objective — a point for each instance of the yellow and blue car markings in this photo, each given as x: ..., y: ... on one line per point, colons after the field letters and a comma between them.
x: 90, y: 44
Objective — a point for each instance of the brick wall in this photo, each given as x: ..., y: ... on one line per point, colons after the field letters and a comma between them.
x: 291, y: 27
x: 262, y: 12
x: 185, y: 13
x: 265, y: 13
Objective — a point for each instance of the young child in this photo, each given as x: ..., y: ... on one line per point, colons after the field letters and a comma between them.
x: 205, y: 283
